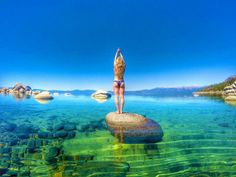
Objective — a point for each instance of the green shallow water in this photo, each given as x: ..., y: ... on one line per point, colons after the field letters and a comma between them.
x: 199, y: 138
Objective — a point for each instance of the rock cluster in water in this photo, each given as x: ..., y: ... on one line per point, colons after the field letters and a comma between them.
x: 133, y: 128
x: 20, y: 91
x: 230, y: 92
x: 17, y: 89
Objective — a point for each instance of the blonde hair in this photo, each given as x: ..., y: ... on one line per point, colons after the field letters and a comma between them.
x: 119, y: 66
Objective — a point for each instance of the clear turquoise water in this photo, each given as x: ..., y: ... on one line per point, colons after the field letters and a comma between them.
x: 199, y: 138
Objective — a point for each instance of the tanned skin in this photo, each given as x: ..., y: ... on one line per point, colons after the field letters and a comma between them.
x: 119, y: 90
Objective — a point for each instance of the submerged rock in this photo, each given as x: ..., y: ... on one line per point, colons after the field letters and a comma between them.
x: 69, y: 127
x: 51, y: 153
x: 3, y: 171
x: 27, y: 128
x: 43, y: 134
x: 134, y: 128
x: 59, y: 126
x: 71, y: 134
x: 93, y: 126
x: 5, y: 126
x: 60, y: 134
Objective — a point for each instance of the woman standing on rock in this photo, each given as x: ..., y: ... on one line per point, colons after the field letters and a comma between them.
x: 119, y: 84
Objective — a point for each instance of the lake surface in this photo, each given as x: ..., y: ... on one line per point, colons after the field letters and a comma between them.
x: 68, y: 137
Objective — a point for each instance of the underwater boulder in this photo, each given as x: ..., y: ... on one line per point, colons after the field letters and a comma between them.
x: 59, y: 126
x: 3, y: 171
x: 43, y: 134
x: 27, y: 128
x: 23, y: 135
x: 133, y: 128
x: 71, y: 134
x: 60, y: 134
x: 9, y: 126
x: 69, y: 127
x: 51, y: 154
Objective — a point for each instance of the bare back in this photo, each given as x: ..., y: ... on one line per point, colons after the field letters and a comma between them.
x: 119, y: 72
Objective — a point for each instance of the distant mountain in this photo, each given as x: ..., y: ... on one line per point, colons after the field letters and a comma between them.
x: 220, y: 86
x: 179, y: 91
x: 74, y: 92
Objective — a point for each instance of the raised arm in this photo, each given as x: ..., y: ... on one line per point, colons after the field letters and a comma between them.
x: 122, y: 57
x: 117, y: 52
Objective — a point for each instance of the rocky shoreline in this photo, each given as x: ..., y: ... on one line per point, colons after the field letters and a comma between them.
x: 228, y: 94
x: 211, y: 93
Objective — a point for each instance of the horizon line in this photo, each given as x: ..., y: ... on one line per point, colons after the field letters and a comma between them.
x: 161, y: 87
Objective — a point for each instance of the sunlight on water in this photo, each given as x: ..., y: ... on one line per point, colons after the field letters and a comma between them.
x: 68, y: 137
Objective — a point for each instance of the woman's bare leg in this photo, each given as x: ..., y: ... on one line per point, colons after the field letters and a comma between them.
x: 122, y: 100
x: 116, y: 93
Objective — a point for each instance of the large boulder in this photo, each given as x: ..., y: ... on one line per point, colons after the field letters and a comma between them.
x: 45, y: 95
x: 19, y: 88
x: 230, y: 98
x: 133, y: 128
x: 102, y: 94
x: 28, y: 88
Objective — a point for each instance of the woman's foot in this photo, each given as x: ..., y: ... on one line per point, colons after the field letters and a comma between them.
x: 119, y: 112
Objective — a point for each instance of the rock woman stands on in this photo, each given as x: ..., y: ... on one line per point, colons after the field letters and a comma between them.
x: 119, y: 84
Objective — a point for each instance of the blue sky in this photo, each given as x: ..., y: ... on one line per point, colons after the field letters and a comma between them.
x: 71, y: 44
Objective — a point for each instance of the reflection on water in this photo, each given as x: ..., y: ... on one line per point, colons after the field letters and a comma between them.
x: 43, y: 101
x: 68, y: 137
x: 100, y: 100
x: 232, y: 103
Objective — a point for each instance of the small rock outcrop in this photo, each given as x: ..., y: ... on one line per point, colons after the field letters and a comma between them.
x: 133, y: 128
x: 45, y: 95
x: 67, y: 94
x: 56, y: 94
x: 230, y: 92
